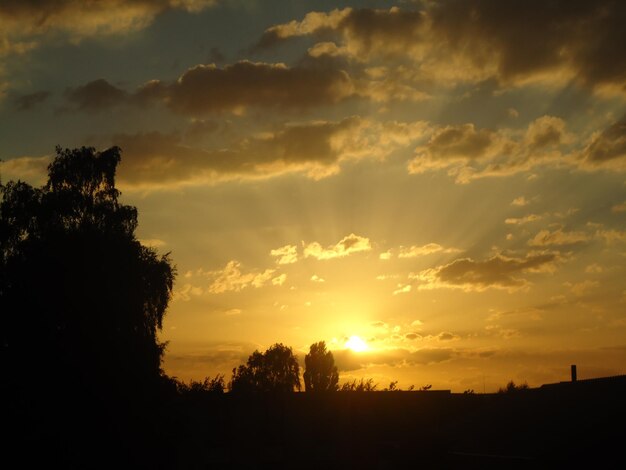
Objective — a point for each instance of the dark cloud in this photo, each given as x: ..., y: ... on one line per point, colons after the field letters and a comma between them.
x: 499, y: 272
x: 511, y: 41
x: 26, y: 102
x: 463, y: 141
x: 164, y: 159
x: 558, y: 237
x: 367, y: 28
x: 608, y: 146
x: 234, y: 88
x: 207, y: 88
x: 95, y: 96
x: 78, y: 19
x: 534, y: 36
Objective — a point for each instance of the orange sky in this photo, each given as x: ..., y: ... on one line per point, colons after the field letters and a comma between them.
x: 445, y: 180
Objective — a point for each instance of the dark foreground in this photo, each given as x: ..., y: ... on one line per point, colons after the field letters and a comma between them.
x: 551, y: 427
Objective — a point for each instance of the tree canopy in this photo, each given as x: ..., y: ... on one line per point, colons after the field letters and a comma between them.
x: 320, y: 373
x: 81, y: 299
x: 275, y: 370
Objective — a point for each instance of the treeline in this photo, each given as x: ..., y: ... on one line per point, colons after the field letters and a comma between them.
x: 277, y: 371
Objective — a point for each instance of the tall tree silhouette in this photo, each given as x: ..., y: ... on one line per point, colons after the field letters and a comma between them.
x: 81, y: 300
x: 320, y: 373
x: 275, y: 370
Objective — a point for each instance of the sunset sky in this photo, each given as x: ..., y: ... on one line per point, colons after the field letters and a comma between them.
x: 445, y: 180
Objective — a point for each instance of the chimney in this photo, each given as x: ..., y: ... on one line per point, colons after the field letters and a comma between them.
x: 573, y: 367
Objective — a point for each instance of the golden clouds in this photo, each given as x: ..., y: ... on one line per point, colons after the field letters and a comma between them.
x: 312, y: 22
x: 231, y: 278
x: 346, y: 246
x: 287, y: 254
x: 468, y: 153
x: 415, y: 251
x: 522, y: 220
x: 32, y: 169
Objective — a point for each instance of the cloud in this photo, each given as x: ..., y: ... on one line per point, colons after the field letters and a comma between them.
x: 468, y: 153
x: 96, y: 96
x: 28, y: 23
x: 231, y: 278
x: 520, y: 201
x: 347, y: 360
x: 581, y: 288
x: 607, y: 148
x: 312, y: 22
x: 212, y: 358
x: 611, y: 236
x: 402, y: 289
x: 287, y: 254
x: 619, y: 207
x: 429, y: 248
x: 345, y: 247
x: 279, y: 280
x: 31, y: 100
x: 447, y: 336
x: 187, y: 292
x: 477, y: 40
x: 522, y: 220
x: 594, y: 268
x: 316, y: 278
x: 365, y: 32
x: 558, y: 238
x: 234, y: 88
x: 31, y: 169
x: 315, y: 148
x: 499, y: 272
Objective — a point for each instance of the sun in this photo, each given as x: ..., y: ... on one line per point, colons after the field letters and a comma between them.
x: 356, y: 344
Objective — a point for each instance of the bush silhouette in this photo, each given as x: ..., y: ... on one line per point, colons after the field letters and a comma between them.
x: 512, y: 387
x: 320, y: 373
x: 363, y: 385
x: 214, y: 386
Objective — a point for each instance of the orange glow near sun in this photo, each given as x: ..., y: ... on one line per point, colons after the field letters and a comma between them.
x: 356, y: 344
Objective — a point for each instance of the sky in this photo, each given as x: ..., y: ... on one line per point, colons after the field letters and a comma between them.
x: 445, y: 180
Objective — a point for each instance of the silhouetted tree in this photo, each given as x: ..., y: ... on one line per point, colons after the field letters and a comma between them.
x: 81, y: 300
x: 275, y: 370
x: 320, y: 373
